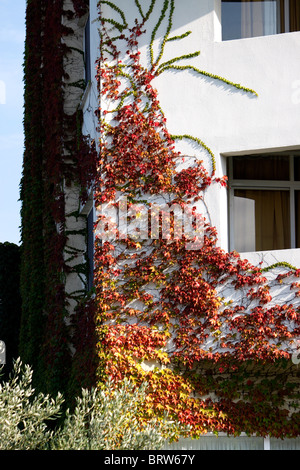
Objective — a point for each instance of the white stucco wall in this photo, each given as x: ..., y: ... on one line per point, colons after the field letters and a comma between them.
x: 229, y: 121
x: 74, y: 253
x: 233, y: 122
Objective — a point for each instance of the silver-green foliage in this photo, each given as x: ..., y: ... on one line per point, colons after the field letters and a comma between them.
x: 23, y: 413
x: 103, y: 419
x: 110, y: 419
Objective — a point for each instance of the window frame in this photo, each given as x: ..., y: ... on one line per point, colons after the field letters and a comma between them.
x: 290, y: 185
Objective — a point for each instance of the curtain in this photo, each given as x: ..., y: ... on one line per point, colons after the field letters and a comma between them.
x: 294, y: 15
x: 258, y: 18
x: 272, y: 218
x: 251, y: 19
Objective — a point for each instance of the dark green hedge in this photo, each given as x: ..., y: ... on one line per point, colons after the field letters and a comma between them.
x: 10, y: 301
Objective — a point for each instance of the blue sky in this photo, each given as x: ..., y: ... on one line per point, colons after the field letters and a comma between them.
x: 12, y: 35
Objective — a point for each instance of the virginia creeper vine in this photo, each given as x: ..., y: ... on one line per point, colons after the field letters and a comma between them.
x: 166, y: 315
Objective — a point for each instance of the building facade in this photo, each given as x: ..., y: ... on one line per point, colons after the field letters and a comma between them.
x: 207, y: 81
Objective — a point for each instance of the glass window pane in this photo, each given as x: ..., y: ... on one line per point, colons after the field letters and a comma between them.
x: 246, y: 19
x: 231, y: 20
x: 297, y: 168
x: 261, y: 168
x: 261, y: 220
x: 294, y: 6
x: 244, y: 222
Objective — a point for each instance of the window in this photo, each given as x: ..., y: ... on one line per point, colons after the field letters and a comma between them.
x: 264, y: 202
x: 250, y: 18
x: 87, y: 51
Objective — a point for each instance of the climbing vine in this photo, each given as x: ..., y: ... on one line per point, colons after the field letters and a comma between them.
x: 56, y: 155
x: 203, y: 327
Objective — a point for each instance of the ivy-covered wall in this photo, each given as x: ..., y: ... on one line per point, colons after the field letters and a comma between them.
x: 201, y: 325
x: 160, y: 312
x: 56, y: 156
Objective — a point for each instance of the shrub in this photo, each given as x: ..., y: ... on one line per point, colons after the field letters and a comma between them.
x: 103, y: 419
x: 111, y: 419
x: 23, y: 414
